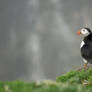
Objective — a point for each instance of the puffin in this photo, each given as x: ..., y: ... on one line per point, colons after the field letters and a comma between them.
x: 86, y: 45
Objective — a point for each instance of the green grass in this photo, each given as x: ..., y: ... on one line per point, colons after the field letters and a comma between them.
x: 74, y: 81
x: 44, y: 86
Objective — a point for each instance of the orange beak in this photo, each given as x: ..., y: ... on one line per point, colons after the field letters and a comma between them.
x: 79, y: 33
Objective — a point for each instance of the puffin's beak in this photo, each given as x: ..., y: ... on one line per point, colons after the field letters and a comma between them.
x: 79, y: 33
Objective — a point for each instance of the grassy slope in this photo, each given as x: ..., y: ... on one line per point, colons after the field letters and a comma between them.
x: 75, y: 81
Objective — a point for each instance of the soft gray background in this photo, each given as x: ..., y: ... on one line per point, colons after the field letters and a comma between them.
x: 38, y: 37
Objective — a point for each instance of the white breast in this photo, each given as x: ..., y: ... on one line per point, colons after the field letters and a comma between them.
x: 82, y: 43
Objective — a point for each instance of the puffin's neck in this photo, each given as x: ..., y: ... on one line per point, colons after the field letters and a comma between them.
x: 87, y: 38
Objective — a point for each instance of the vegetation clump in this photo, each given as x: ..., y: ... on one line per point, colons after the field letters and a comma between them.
x: 77, y: 77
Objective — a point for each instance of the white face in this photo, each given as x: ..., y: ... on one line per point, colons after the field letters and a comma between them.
x: 84, y: 32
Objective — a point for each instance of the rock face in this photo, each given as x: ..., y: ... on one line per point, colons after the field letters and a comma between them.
x: 38, y: 37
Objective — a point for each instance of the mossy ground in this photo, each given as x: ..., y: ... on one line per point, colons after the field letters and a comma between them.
x: 74, y: 81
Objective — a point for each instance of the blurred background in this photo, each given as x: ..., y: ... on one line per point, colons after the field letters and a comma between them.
x: 38, y: 38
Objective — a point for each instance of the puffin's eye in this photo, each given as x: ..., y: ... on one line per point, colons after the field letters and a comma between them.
x: 83, y: 30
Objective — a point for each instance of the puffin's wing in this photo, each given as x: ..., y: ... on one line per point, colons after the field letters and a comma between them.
x: 86, y: 51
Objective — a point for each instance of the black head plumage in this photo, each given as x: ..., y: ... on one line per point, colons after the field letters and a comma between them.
x: 89, y: 30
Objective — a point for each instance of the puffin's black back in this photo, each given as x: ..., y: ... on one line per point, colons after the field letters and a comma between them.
x: 86, y: 50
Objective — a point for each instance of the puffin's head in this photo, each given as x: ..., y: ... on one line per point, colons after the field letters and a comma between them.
x: 84, y: 31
